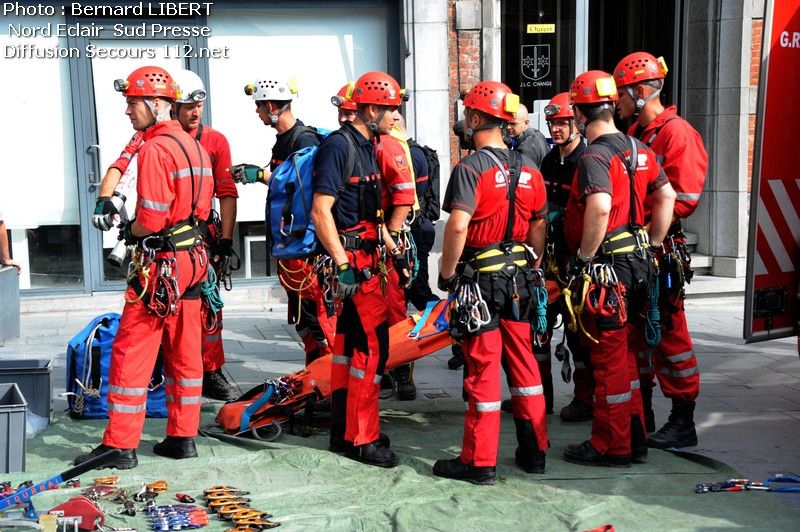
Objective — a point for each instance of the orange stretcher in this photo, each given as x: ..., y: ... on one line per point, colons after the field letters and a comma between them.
x: 278, y: 399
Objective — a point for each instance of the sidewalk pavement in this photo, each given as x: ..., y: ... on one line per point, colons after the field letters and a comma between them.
x: 748, y: 413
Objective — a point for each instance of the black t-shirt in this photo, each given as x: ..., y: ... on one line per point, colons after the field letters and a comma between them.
x: 331, y: 162
x: 284, y: 146
x: 558, y: 174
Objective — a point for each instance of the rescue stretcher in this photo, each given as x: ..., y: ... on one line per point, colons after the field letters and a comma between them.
x: 277, y: 400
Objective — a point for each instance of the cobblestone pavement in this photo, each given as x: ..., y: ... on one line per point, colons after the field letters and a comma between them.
x: 748, y: 414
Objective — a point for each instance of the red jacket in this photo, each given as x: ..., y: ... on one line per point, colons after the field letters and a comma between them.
x: 681, y: 153
x: 214, y: 143
x: 164, y: 185
x: 397, y: 186
x: 600, y: 170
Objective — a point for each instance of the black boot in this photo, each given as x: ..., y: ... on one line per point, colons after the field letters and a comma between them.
x: 457, y: 360
x: 126, y: 460
x: 638, y: 441
x: 577, y: 411
x: 547, y: 384
x: 404, y: 377
x: 216, y: 386
x: 176, y: 447
x: 528, y: 455
x: 340, y: 445
x: 372, y: 454
x: 456, y: 469
x: 530, y: 462
x: 387, y: 386
x: 679, y: 430
x: 585, y: 454
x: 647, y: 403
x: 507, y: 406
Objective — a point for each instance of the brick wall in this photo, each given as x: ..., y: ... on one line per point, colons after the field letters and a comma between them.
x: 464, y: 63
x: 755, y: 67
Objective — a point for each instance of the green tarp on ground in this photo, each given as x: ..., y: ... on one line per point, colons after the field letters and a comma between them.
x: 307, y: 488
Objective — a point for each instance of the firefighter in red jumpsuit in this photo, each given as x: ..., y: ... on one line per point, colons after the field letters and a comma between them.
x: 162, y: 308
x: 188, y: 111
x: 487, y: 266
x: 558, y: 170
x: 348, y: 215
x: 604, y: 228
x: 680, y: 150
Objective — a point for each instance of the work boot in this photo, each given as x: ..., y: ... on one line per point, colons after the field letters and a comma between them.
x: 530, y: 462
x: 507, y: 406
x: 340, y: 445
x: 125, y: 460
x: 372, y: 454
x: 585, y: 454
x: 456, y: 469
x: 404, y: 377
x: 577, y: 411
x: 216, y: 386
x: 176, y: 447
x: 387, y: 386
x: 647, y: 404
x: 638, y: 441
x: 679, y: 431
x: 457, y: 360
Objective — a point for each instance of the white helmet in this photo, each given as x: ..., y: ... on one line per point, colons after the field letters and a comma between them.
x: 190, y: 87
x: 272, y: 90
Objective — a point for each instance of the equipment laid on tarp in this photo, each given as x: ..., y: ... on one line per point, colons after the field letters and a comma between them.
x: 276, y: 400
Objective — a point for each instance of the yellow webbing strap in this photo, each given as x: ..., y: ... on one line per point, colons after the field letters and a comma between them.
x: 501, y: 257
x: 575, y: 321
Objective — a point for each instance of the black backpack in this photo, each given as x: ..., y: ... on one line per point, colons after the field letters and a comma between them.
x: 429, y: 204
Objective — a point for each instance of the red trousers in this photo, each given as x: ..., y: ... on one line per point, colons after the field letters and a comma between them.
x: 672, y: 361
x: 508, y: 346
x: 133, y: 358
x: 213, y: 352
x: 307, y: 308
x: 616, y: 392
x: 395, y: 297
x: 361, y: 349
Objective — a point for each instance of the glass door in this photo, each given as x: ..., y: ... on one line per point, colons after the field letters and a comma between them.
x: 102, y: 130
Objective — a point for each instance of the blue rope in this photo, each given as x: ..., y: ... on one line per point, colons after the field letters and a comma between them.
x: 210, y: 291
x: 652, y: 325
x: 540, y: 297
x: 412, y: 250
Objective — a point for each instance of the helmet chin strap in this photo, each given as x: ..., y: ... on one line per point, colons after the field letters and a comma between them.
x: 373, y: 125
x: 273, y: 118
x: 159, y: 117
x: 641, y: 102
x: 470, y: 132
x: 589, y: 119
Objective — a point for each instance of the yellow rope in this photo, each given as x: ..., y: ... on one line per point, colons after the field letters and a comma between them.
x: 145, y: 274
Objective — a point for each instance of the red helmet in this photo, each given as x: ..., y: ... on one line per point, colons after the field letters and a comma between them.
x: 594, y: 86
x: 638, y: 67
x: 493, y: 98
x: 559, y: 107
x: 148, y: 81
x: 378, y: 88
x: 343, y: 99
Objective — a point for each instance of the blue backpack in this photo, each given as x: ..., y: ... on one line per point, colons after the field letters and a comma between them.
x: 291, y: 191
x: 88, y: 363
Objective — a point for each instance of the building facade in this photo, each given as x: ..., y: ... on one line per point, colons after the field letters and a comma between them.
x: 70, y: 124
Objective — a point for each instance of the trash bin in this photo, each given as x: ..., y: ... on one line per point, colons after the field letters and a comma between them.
x: 12, y: 428
x: 34, y: 379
